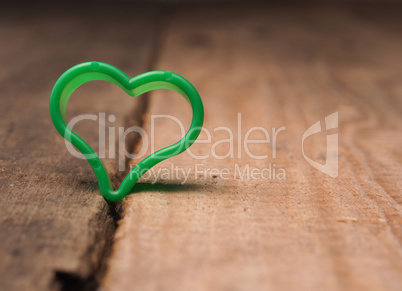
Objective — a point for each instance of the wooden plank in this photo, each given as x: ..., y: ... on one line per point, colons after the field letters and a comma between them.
x: 56, y: 229
x: 277, y: 66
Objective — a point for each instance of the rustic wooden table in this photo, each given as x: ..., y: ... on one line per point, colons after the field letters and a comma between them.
x: 277, y: 67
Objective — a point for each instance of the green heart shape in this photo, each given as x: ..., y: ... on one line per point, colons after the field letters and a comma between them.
x: 90, y: 71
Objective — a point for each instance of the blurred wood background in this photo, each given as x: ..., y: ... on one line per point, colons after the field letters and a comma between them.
x: 278, y: 65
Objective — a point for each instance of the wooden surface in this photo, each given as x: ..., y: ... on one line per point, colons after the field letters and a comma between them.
x: 278, y: 67
x: 56, y: 230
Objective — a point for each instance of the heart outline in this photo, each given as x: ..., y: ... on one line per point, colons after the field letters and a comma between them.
x: 82, y: 73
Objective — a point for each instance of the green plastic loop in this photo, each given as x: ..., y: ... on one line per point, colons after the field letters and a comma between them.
x: 90, y: 71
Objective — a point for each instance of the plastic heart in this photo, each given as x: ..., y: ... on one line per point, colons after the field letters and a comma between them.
x: 90, y: 71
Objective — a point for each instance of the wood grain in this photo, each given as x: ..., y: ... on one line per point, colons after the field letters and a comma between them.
x: 55, y: 227
x: 277, y: 67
